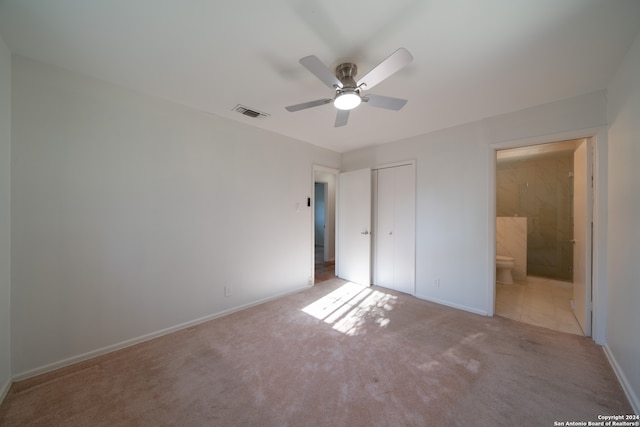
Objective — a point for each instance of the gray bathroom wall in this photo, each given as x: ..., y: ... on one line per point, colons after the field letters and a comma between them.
x: 541, y: 189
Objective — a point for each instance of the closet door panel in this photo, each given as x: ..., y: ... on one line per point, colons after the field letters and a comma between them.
x: 385, y: 257
x: 404, y: 228
x: 354, y: 225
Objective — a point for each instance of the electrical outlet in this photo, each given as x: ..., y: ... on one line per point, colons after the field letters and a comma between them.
x: 310, y: 280
x: 436, y: 283
x: 227, y: 291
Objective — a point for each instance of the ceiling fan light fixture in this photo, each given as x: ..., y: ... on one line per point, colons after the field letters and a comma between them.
x: 347, y: 89
x: 347, y: 100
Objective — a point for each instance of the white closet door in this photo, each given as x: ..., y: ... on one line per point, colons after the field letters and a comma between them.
x: 404, y: 232
x: 384, y: 250
x: 395, y: 228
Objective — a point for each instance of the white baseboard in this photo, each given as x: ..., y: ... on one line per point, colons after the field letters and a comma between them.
x: 628, y: 390
x: 4, y: 390
x: 128, y: 343
x: 457, y: 306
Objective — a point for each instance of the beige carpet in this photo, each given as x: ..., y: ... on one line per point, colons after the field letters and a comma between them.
x: 335, y: 355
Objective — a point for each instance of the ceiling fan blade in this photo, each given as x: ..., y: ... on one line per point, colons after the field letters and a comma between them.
x: 342, y: 118
x: 313, y: 64
x: 309, y: 104
x: 386, y: 68
x: 386, y: 102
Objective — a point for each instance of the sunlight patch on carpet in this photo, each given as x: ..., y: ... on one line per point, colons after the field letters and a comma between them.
x: 350, y: 306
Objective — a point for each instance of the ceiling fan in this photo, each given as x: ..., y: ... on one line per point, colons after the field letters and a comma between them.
x: 349, y: 91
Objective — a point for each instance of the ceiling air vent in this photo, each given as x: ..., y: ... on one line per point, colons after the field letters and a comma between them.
x: 250, y: 112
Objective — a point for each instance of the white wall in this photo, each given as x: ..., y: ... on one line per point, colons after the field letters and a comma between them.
x: 623, y: 334
x: 455, y: 218
x: 131, y: 214
x: 5, y: 218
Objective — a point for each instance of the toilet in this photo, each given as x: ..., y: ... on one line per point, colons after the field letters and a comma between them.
x: 504, y: 264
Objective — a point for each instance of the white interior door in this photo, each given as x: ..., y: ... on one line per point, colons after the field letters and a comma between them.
x: 404, y: 233
x: 394, y: 262
x: 384, y: 227
x: 582, y: 237
x: 354, y: 226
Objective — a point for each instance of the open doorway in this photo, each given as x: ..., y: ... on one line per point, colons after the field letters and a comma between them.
x: 543, y: 235
x: 324, y: 222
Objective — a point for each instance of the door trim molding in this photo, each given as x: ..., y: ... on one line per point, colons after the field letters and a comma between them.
x: 395, y: 165
x: 598, y: 137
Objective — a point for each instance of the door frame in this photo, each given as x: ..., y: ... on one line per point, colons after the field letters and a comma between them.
x: 323, y: 169
x: 598, y: 209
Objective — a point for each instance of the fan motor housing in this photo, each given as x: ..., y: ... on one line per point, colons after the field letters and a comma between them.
x: 346, y: 73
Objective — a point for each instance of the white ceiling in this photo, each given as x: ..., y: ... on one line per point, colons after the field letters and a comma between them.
x: 473, y: 59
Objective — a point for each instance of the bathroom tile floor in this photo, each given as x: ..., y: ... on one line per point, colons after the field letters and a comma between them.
x: 538, y: 301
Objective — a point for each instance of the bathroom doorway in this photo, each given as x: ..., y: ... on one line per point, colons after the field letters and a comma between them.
x: 542, y: 212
